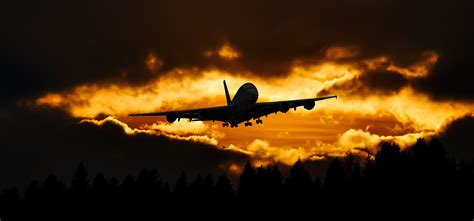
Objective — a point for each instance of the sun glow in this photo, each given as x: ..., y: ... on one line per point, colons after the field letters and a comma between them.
x: 353, y: 123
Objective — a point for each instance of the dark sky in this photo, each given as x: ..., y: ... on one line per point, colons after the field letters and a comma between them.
x: 55, y: 46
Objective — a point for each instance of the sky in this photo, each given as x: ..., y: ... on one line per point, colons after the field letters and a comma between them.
x: 73, y: 70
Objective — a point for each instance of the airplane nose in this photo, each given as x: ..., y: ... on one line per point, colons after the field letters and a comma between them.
x: 253, y: 91
x: 251, y: 88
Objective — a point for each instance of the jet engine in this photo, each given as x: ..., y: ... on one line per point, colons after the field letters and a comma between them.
x: 309, y: 104
x: 171, y: 117
x: 284, y: 107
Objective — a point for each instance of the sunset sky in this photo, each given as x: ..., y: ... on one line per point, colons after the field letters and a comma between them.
x: 73, y: 70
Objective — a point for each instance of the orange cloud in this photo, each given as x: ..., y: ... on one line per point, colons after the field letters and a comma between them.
x: 340, y: 52
x: 419, y: 69
x: 333, y: 128
x: 182, y: 134
x: 227, y: 52
x: 153, y: 63
x: 353, y: 141
x: 235, y: 169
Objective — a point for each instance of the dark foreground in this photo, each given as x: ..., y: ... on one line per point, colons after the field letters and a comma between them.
x: 418, y: 182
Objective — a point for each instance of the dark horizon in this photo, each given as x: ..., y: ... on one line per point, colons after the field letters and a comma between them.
x: 422, y: 173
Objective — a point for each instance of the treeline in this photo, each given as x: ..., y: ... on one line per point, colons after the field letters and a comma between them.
x: 422, y: 176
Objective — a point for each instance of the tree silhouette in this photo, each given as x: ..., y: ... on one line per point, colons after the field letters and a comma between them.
x: 208, y: 186
x: 80, y: 182
x: 33, y: 192
x: 275, y: 182
x: 421, y: 176
x: 224, y: 187
x: 299, y: 182
x: 166, y: 190
x: 100, y: 188
x: 181, y: 186
x: 53, y: 189
x: 197, y: 187
x: 317, y: 187
x: 9, y: 203
x: 148, y: 185
x: 247, y: 184
x: 334, y: 183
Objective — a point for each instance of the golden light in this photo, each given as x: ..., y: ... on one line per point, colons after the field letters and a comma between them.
x: 153, y: 130
x: 335, y: 127
x: 419, y: 69
x: 227, y: 52
x: 54, y: 100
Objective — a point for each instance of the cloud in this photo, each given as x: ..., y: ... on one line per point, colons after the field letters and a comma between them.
x: 380, y: 75
x: 456, y: 135
x: 186, y: 88
x: 153, y: 63
x: 227, y: 52
x: 341, y: 52
x: 451, y: 78
x: 367, y: 142
x: 188, y: 133
x: 371, y: 82
x: 375, y: 104
x: 351, y: 141
x: 181, y: 127
x: 35, y: 143
x: 88, y: 44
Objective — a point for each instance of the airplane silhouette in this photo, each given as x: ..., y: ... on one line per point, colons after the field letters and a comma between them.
x: 242, y: 108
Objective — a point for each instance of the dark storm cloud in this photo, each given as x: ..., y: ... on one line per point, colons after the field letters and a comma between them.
x: 371, y: 82
x: 54, y: 45
x: 457, y: 136
x: 35, y: 143
x: 451, y: 78
x: 384, y: 80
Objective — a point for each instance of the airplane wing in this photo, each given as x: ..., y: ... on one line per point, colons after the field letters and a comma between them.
x: 265, y: 108
x: 200, y: 114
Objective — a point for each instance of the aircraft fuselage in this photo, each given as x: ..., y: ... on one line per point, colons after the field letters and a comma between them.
x: 243, y: 103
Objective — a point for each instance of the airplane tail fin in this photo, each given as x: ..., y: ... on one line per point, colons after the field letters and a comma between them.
x: 227, y: 96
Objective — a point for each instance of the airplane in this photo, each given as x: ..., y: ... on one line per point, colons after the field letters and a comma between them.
x: 242, y: 108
